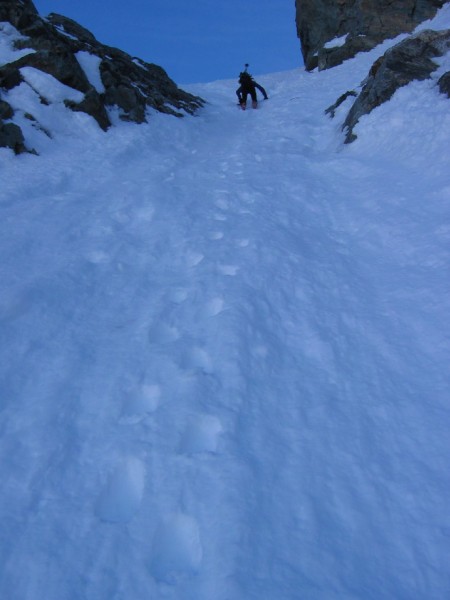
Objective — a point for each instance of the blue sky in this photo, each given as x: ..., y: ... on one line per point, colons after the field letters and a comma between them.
x: 195, y: 41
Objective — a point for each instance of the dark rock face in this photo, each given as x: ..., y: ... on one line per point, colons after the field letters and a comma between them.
x: 128, y: 83
x: 22, y: 13
x: 409, y: 60
x: 331, y: 110
x: 444, y: 84
x: 364, y: 23
x: 11, y: 136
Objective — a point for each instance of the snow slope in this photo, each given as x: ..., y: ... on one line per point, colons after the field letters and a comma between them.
x: 225, y: 350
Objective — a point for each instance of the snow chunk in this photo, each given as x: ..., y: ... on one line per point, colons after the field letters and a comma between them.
x: 61, y: 29
x: 90, y: 63
x: 144, y: 401
x: 8, y: 35
x: 202, y: 435
x: 336, y: 42
x: 140, y: 63
x: 177, y: 550
x: 50, y: 88
x: 123, y: 493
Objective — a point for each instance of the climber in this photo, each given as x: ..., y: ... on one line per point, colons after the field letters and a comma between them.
x: 248, y: 86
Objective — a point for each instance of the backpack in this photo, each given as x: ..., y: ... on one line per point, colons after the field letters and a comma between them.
x: 245, y: 78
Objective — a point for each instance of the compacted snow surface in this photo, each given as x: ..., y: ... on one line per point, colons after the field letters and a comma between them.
x: 224, y: 349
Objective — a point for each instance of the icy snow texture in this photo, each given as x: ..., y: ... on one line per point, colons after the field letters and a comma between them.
x: 225, y: 351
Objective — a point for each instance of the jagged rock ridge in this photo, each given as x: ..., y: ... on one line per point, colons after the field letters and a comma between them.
x: 355, y: 25
x: 410, y: 60
x: 332, y: 31
x: 58, y: 46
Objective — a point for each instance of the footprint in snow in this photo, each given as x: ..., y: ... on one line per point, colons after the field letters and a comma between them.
x: 215, y: 306
x: 177, y: 550
x: 230, y: 270
x: 122, y: 495
x: 197, y: 359
x: 98, y: 257
x: 222, y: 204
x: 247, y: 197
x: 141, y: 403
x: 194, y: 258
x: 216, y: 235
x: 201, y: 435
x: 145, y: 213
x: 162, y: 333
x: 178, y: 295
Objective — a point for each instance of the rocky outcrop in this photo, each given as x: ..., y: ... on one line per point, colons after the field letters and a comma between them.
x: 68, y: 52
x: 331, y: 31
x: 444, y: 84
x: 11, y: 136
x: 20, y: 13
x: 411, y: 59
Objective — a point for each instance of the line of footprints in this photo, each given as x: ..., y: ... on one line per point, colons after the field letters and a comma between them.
x: 176, y: 550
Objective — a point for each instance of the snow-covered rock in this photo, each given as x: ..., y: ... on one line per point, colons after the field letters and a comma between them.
x: 359, y: 25
x: 110, y: 81
x: 412, y: 59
